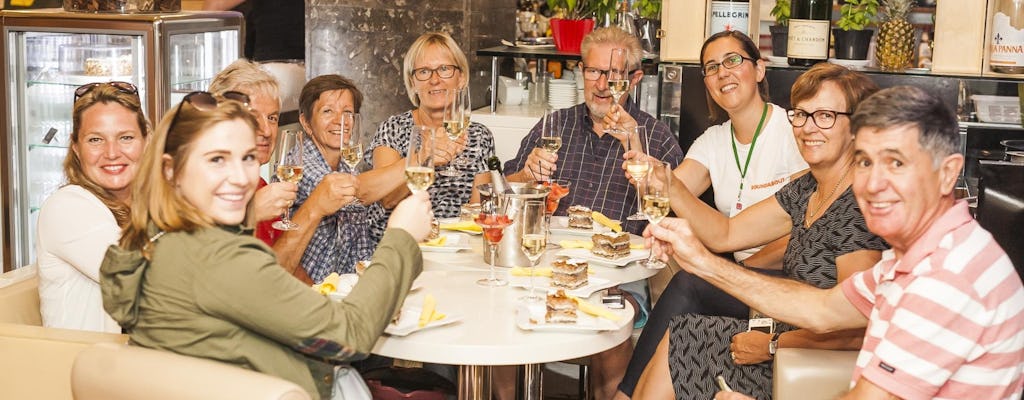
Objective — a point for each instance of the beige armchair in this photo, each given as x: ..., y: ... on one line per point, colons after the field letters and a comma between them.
x: 19, y: 297
x: 810, y: 374
x: 120, y: 372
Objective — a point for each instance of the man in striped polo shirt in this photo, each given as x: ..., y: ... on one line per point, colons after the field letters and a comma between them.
x: 944, y: 308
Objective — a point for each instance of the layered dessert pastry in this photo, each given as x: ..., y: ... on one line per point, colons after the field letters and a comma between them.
x: 610, y: 245
x: 569, y: 273
x: 561, y: 309
x: 580, y: 217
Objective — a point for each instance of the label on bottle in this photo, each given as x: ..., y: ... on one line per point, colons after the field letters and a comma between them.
x: 1007, y: 45
x: 808, y: 39
x: 729, y: 16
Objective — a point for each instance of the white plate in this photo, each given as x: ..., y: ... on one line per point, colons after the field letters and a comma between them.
x: 346, y: 288
x: 530, y: 316
x: 561, y: 225
x: 443, y: 221
x: 452, y: 244
x: 854, y: 64
x: 409, y: 321
x: 778, y: 60
x: 634, y: 255
x: 543, y: 283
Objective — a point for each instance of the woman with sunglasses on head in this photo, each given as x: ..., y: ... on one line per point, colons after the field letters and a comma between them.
x: 828, y: 241
x: 433, y: 67
x: 189, y: 277
x: 79, y: 220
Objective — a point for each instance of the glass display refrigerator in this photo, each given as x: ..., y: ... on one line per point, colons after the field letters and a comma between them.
x: 48, y: 53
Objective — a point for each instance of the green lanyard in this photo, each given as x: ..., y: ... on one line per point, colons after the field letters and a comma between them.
x: 750, y: 152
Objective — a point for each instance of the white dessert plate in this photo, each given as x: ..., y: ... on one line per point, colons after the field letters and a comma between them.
x: 409, y: 321
x: 443, y: 221
x: 452, y: 243
x: 634, y: 255
x: 543, y: 284
x: 345, y: 285
x: 530, y: 316
x: 561, y: 225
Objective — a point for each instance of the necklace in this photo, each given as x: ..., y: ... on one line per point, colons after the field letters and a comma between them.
x: 750, y: 152
x: 824, y: 199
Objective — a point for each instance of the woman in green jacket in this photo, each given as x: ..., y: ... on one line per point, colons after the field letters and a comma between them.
x: 189, y: 277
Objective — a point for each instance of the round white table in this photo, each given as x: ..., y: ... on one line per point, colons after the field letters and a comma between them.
x: 487, y: 334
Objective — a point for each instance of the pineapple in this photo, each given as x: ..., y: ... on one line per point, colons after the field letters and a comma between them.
x: 895, y: 48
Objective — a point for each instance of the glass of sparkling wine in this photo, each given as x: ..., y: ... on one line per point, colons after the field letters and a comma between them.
x: 288, y: 160
x: 550, y: 140
x: 352, y: 141
x: 618, y: 77
x: 534, y: 239
x: 638, y: 167
x: 419, y: 159
x: 493, y: 220
x: 454, y: 123
x: 656, y: 204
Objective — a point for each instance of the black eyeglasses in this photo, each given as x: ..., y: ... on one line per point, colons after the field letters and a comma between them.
x: 123, y: 87
x: 731, y: 60
x: 593, y: 74
x: 206, y: 101
x: 823, y: 119
x: 444, y: 72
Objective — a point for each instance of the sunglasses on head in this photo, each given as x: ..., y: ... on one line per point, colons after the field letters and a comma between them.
x: 206, y: 101
x: 123, y: 87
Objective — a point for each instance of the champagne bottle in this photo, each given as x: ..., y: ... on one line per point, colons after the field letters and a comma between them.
x: 809, y: 25
x: 498, y: 181
x: 729, y: 15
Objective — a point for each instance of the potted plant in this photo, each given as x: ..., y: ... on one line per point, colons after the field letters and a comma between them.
x: 780, y: 31
x: 571, y: 23
x: 853, y: 37
x: 647, y: 24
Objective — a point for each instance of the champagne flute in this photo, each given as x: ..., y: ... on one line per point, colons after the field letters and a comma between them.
x: 493, y: 220
x: 550, y: 140
x: 288, y: 161
x: 656, y: 204
x: 454, y: 123
x: 618, y: 78
x: 419, y: 159
x: 534, y: 239
x: 352, y: 141
x: 638, y: 167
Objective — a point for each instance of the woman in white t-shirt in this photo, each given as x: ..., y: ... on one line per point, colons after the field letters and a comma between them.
x: 81, y: 219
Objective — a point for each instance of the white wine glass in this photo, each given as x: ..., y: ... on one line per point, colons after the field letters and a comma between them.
x: 288, y: 168
x: 550, y: 140
x: 419, y: 159
x: 638, y: 167
x: 454, y: 123
x: 618, y: 77
x: 534, y: 239
x: 352, y: 141
x: 656, y: 204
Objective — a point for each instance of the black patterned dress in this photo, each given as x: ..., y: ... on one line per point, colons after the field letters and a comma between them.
x: 699, y: 344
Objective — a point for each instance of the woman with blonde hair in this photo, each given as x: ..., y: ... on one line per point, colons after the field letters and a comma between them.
x: 188, y: 277
x: 79, y: 220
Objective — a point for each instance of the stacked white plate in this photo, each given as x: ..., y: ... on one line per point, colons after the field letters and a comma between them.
x: 561, y: 93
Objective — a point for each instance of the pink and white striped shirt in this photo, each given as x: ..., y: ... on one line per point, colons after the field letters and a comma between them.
x: 946, y: 321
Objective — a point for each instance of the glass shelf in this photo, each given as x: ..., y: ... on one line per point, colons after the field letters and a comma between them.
x: 34, y: 146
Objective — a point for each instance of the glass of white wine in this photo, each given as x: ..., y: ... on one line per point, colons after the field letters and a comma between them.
x: 550, y: 140
x: 419, y: 159
x: 618, y: 77
x: 454, y: 123
x: 535, y: 239
x: 638, y: 167
x: 352, y: 141
x: 288, y: 161
x: 656, y: 203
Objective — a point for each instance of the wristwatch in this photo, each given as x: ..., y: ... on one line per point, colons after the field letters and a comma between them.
x: 773, y: 345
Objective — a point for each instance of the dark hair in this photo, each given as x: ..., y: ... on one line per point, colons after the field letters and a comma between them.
x: 101, y: 94
x: 312, y: 90
x: 855, y: 86
x: 938, y: 131
x: 717, y: 114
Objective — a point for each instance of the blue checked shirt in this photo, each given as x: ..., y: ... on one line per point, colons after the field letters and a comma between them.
x: 594, y: 164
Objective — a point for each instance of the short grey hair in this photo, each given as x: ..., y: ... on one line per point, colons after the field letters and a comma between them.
x: 938, y: 130
x: 246, y: 77
x: 617, y: 37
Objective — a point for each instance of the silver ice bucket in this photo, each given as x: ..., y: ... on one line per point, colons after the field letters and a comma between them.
x: 510, y: 253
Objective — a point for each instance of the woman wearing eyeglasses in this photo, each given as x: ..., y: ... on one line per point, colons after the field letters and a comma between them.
x: 433, y: 65
x: 78, y: 221
x: 188, y: 276
x: 828, y: 241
